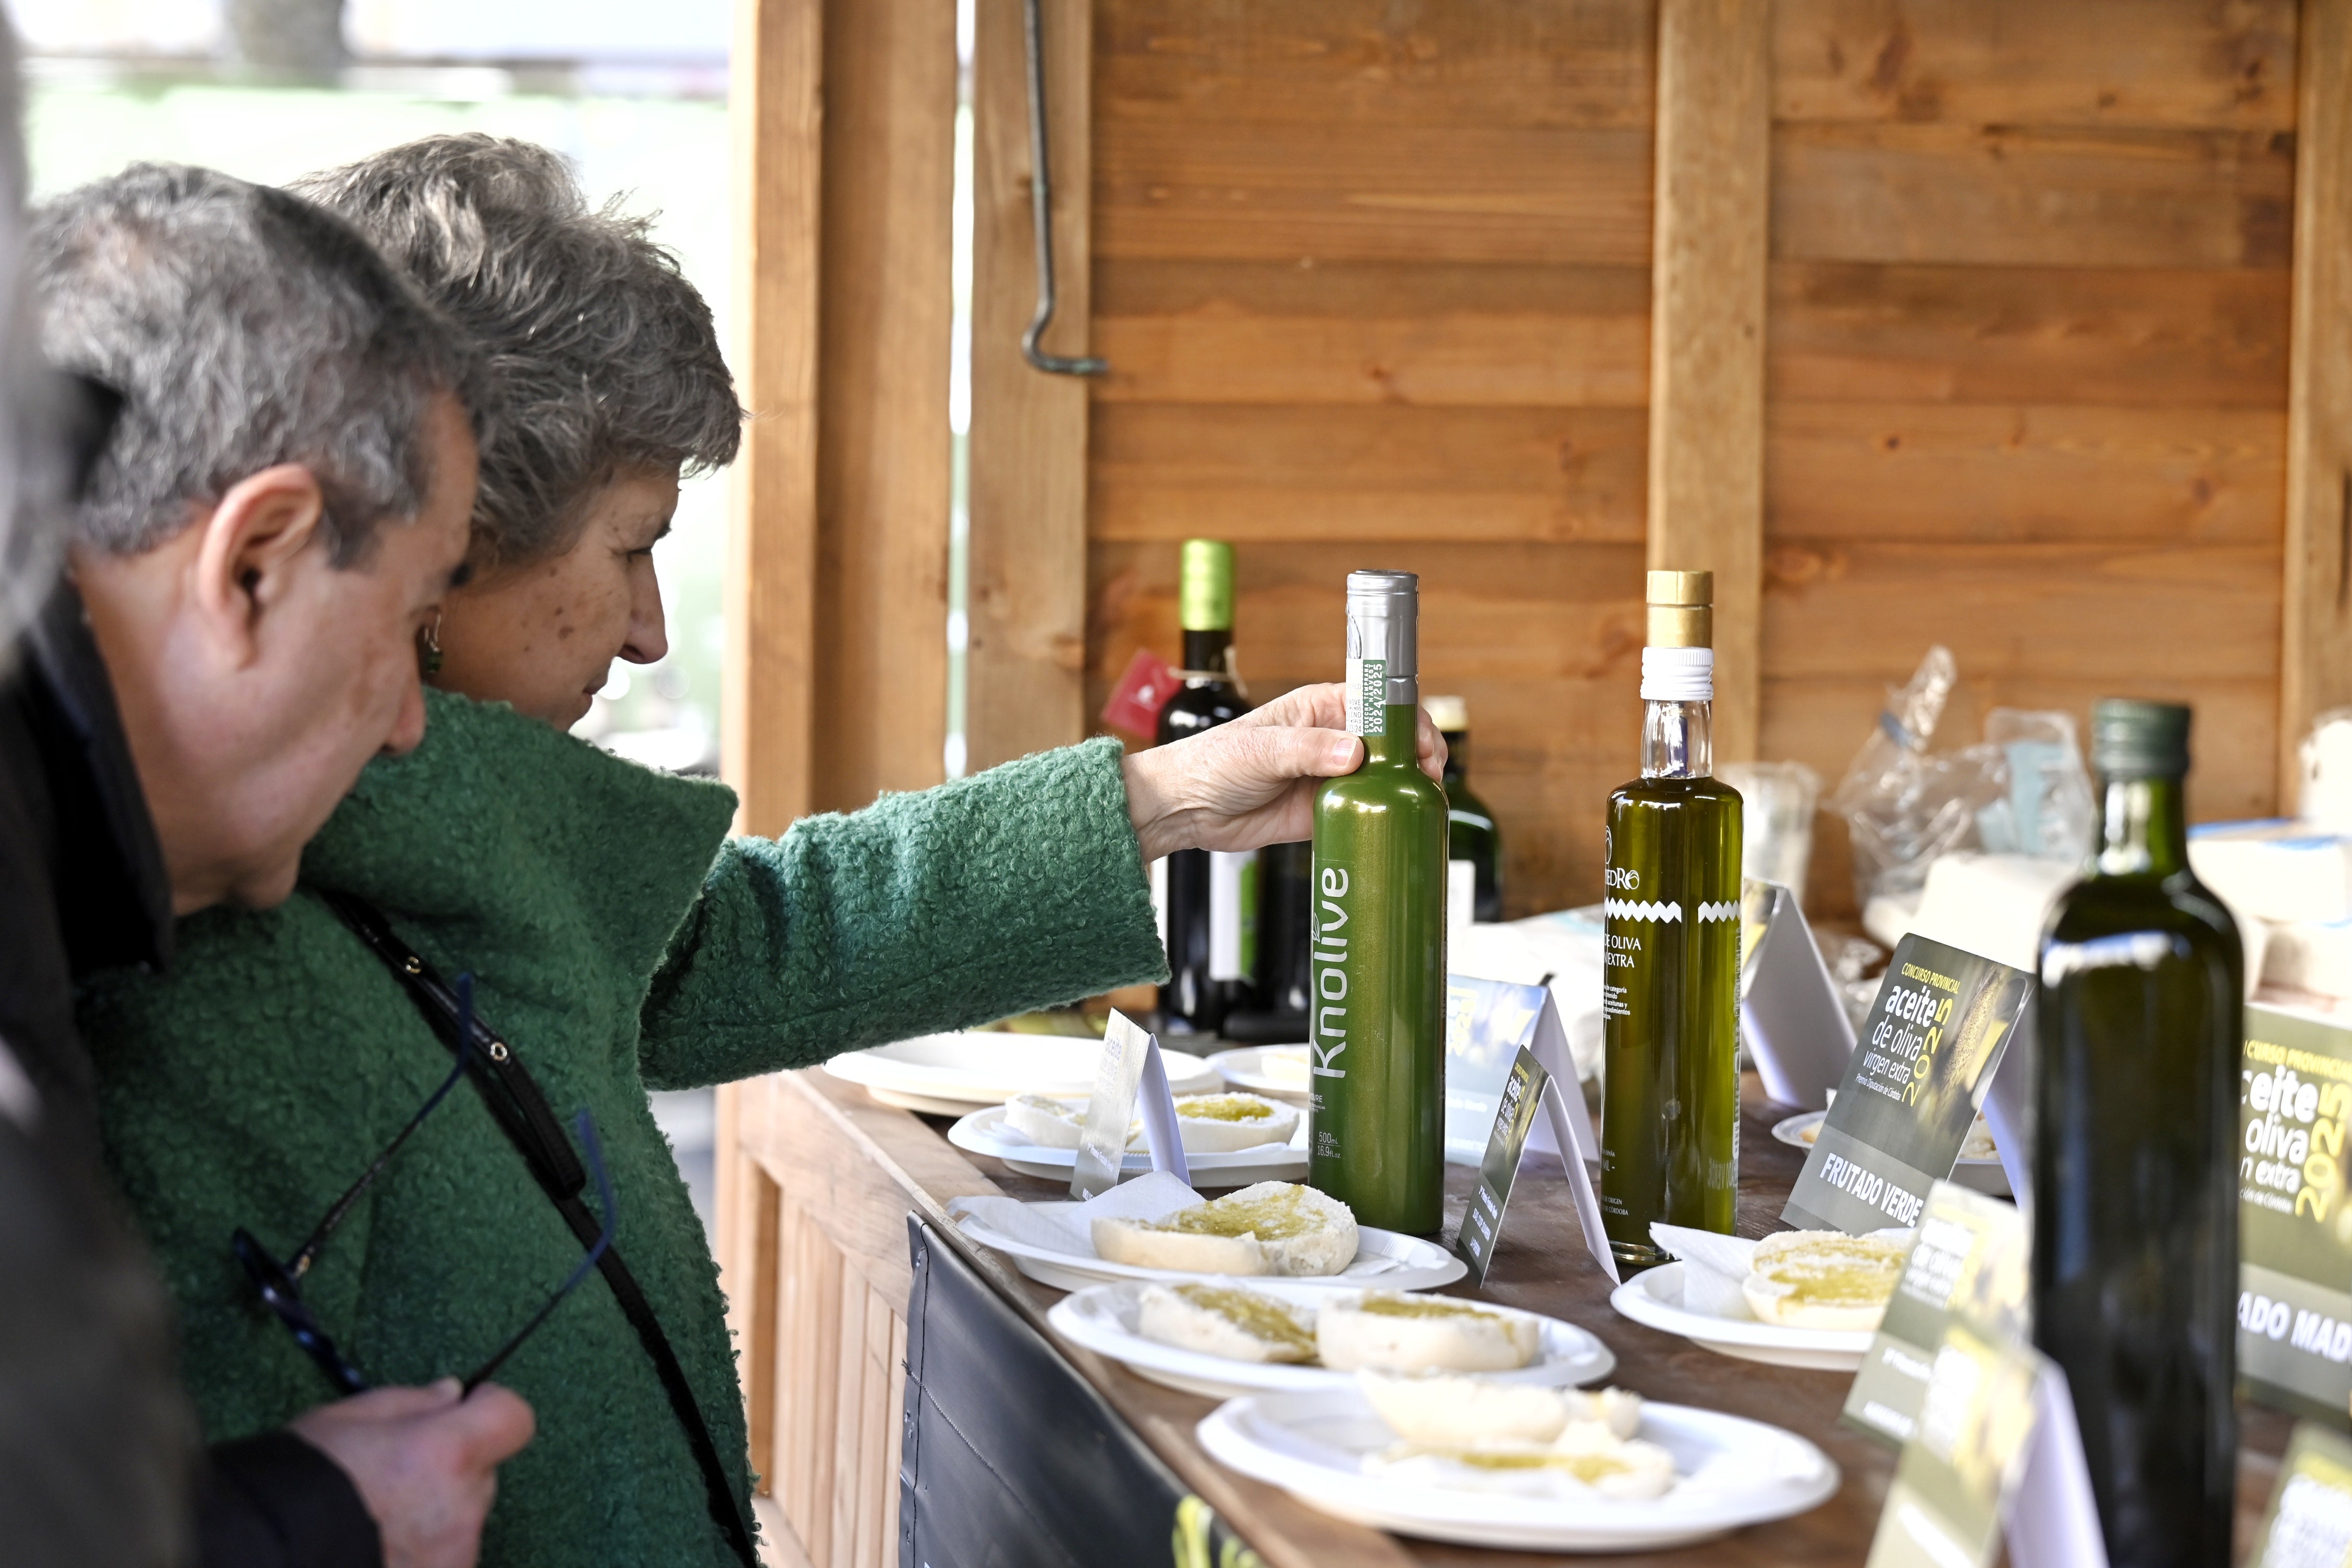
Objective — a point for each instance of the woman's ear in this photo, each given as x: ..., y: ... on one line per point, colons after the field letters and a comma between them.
x: 254, y: 550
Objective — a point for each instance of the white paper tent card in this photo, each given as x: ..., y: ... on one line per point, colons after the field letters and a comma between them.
x: 1796, y: 1025
x: 1486, y: 1023
x: 1131, y: 1069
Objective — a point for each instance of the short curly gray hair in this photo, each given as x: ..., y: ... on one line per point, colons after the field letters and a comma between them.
x: 242, y: 327
x: 603, y: 355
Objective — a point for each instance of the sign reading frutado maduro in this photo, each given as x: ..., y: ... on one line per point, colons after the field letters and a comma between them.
x: 1911, y: 1087
x: 2295, y: 1222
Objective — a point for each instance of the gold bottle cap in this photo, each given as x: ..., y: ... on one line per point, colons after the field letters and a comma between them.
x: 1682, y: 612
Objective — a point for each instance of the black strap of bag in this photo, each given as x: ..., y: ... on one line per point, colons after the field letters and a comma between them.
x: 521, y: 1111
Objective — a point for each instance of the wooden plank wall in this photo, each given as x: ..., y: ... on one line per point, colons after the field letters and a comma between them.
x: 1373, y: 281
x: 2026, y: 368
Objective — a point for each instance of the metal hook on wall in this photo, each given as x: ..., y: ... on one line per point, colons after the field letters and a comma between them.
x: 1041, y: 198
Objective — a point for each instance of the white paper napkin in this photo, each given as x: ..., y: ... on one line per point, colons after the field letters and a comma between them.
x: 1714, y: 1265
x: 1068, y: 1227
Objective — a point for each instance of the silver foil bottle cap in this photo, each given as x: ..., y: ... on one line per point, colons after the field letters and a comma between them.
x: 1383, y: 646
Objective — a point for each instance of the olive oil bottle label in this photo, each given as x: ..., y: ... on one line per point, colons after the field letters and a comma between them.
x: 1367, y: 696
x: 1912, y: 1088
x: 2295, y: 1222
x: 1327, y: 955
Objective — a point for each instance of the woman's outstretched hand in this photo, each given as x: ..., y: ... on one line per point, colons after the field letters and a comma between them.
x: 1252, y: 782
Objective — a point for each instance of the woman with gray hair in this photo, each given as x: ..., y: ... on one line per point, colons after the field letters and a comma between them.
x: 616, y: 938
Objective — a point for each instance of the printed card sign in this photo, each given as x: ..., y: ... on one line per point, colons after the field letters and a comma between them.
x: 2310, y: 1520
x: 1131, y: 1069
x: 1529, y: 1085
x: 2294, y: 1226
x: 1967, y: 1268
x: 1487, y: 1022
x: 1911, y: 1090
x: 1952, y: 1485
x: 1992, y: 1449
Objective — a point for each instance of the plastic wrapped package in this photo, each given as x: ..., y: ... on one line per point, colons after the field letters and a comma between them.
x: 2049, y: 812
x: 1776, y: 821
x: 1905, y: 807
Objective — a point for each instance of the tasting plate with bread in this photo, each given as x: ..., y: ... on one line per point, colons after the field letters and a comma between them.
x: 947, y: 1075
x: 1231, y: 1139
x: 1277, y: 1071
x: 1223, y: 1337
x: 1978, y: 1166
x: 1157, y: 1228
x: 1799, y: 1297
x: 1484, y: 1463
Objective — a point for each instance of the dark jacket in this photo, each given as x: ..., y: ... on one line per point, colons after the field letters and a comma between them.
x: 98, y: 1458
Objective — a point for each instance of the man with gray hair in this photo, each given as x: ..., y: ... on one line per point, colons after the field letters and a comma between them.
x: 279, y: 508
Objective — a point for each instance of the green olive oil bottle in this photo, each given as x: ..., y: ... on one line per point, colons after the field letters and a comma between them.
x: 1670, y: 992
x: 1475, y: 872
x: 1376, y: 1136
x: 2138, y: 1037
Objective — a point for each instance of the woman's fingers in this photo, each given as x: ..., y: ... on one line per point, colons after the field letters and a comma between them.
x: 1251, y: 782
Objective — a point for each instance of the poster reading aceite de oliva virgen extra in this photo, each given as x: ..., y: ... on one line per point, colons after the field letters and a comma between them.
x: 1939, y: 1025
x: 2295, y: 1222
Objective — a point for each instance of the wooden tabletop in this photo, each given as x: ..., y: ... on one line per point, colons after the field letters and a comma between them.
x: 1541, y: 1266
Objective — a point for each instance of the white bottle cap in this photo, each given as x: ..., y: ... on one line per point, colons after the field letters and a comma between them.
x: 1678, y: 675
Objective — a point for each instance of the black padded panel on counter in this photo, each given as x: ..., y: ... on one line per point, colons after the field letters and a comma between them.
x: 1010, y: 1458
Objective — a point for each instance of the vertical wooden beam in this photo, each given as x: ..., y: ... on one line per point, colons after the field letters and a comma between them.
x: 2315, y: 667
x: 882, y: 446
x: 776, y: 113
x: 844, y: 117
x: 776, y: 124
x: 1706, y: 328
x: 1028, y: 480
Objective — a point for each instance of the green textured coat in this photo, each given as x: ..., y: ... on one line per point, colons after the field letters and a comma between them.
x: 620, y: 942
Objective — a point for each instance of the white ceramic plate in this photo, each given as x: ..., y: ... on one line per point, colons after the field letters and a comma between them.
x: 984, y: 1132
x: 1102, y: 1317
x: 1384, y: 1259
x: 1735, y: 1472
x: 1984, y: 1175
x: 1246, y: 1067
x: 947, y: 1075
x: 1655, y: 1298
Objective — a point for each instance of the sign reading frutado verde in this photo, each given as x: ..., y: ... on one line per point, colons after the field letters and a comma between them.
x: 2295, y: 1222
x: 1912, y: 1088
x: 1967, y: 1268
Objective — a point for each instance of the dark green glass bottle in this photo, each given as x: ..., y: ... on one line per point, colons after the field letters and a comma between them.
x: 1670, y: 990
x: 1473, y: 842
x: 2137, y: 1034
x: 1211, y: 909
x: 1286, y: 924
x: 1376, y: 1136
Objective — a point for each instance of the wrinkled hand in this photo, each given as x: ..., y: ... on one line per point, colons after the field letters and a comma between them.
x: 426, y: 1462
x: 1252, y: 782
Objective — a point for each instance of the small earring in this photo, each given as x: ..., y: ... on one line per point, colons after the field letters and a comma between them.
x: 428, y: 657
